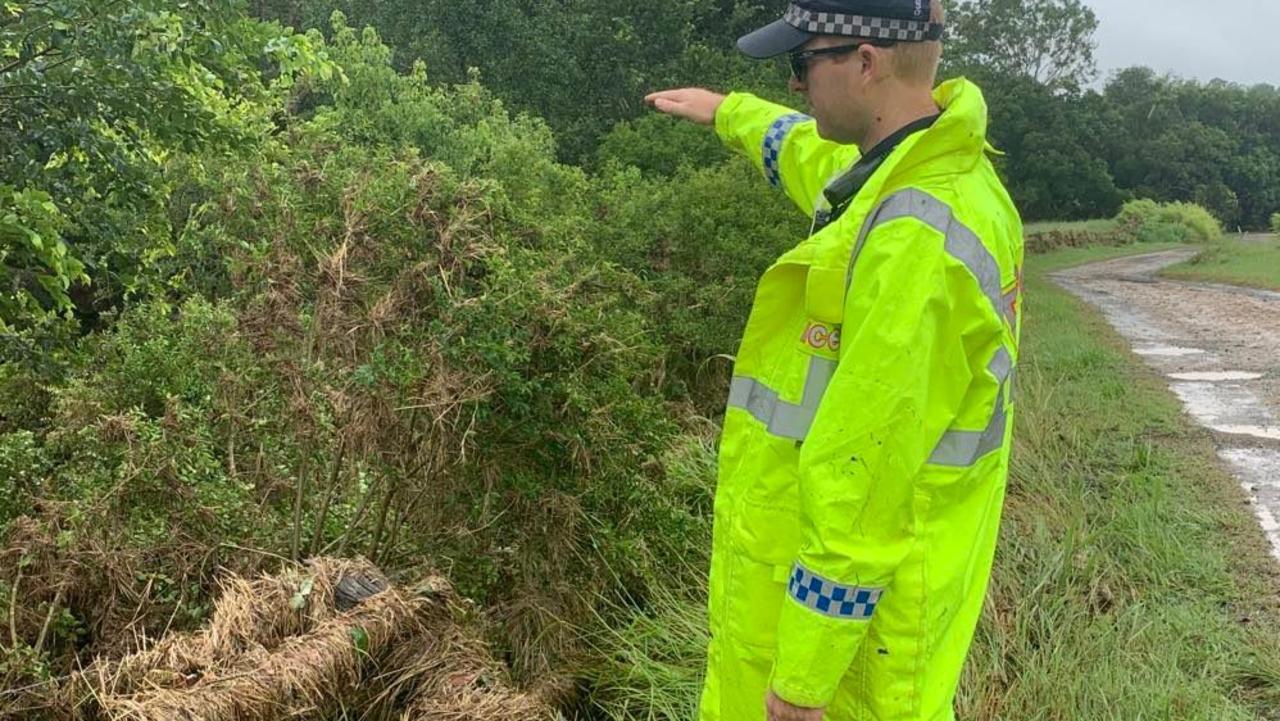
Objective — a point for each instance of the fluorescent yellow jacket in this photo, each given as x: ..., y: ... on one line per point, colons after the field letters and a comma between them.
x: 866, y: 441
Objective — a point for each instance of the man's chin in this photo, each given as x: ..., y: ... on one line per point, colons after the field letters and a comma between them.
x: 831, y: 134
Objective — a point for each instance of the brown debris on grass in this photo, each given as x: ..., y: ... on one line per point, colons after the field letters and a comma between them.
x: 278, y: 647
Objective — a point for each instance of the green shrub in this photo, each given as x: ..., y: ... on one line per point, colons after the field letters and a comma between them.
x: 419, y: 334
x: 700, y: 240
x: 400, y: 338
x: 1275, y: 223
x: 660, y: 145
x: 1147, y: 221
x: 1201, y: 225
x: 648, y: 660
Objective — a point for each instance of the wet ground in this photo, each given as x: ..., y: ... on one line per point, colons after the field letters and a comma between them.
x: 1219, y: 348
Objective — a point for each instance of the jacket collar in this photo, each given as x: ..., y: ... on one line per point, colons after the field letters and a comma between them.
x: 956, y: 141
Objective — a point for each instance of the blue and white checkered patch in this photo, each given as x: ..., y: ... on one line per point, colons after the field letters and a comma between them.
x: 830, y: 598
x: 773, y: 145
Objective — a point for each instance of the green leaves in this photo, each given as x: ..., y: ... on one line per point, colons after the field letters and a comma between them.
x: 95, y: 97
x: 36, y: 269
x: 299, y: 599
x: 1050, y: 41
x: 360, y: 638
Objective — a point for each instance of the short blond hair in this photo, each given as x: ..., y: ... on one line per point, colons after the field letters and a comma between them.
x: 917, y: 63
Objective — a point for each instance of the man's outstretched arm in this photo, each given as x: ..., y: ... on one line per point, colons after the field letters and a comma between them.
x: 781, y: 142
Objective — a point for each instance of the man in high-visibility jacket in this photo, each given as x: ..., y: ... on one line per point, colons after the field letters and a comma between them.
x: 866, y: 441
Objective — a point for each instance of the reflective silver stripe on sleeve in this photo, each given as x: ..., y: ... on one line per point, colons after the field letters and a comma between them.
x: 964, y: 448
x: 961, y: 243
x: 830, y: 598
x: 783, y: 419
x: 772, y: 150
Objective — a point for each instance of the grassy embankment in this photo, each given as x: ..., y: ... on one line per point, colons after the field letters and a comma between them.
x: 1131, y: 581
x: 1238, y: 260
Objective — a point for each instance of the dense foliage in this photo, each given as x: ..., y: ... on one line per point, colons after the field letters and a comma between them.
x: 1072, y: 152
x: 387, y: 321
x: 266, y: 294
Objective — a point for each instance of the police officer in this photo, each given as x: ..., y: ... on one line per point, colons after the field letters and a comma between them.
x: 866, y: 441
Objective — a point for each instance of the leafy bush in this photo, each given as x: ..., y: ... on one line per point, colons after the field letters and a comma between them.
x: 650, y: 664
x: 1275, y: 223
x: 1147, y: 221
x: 95, y: 96
x: 1201, y: 225
x: 700, y: 240
x: 660, y: 145
x: 36, y: 270
x: 382, y: 354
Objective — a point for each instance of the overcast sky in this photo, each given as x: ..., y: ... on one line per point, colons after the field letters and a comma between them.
x: 1234, y: 40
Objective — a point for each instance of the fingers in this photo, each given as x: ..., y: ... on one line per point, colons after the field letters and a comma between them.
x: 695, y: 104
x: 671, y: 98
x: 778, y: 710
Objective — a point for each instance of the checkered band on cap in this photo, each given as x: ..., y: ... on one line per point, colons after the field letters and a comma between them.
x: 830, y: 598
x: 861, y: 26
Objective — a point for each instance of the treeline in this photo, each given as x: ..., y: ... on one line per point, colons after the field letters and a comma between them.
x: 1071, y: 152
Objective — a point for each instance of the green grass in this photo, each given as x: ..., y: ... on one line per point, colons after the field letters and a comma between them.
x: 1079, y: 226
x: 1127, y: 559
x: 1250, y: 261
x: 1131, y: 581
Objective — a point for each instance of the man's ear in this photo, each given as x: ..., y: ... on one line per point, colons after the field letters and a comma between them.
x: 874, y: 62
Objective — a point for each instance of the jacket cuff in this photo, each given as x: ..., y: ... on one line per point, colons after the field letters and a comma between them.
x: 814, y: 653
x: 724, y: 116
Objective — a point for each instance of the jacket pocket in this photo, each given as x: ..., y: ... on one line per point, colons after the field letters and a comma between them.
x: 753, y: 600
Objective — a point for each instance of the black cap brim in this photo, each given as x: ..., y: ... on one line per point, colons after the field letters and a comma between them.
x: 774, y: 39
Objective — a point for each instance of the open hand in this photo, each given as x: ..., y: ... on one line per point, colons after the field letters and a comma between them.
x: 693, y: 104
x: 779, y: 710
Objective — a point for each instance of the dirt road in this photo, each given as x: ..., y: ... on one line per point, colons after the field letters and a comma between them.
x: 1219, y: 347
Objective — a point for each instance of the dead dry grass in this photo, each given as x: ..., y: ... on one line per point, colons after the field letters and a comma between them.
x: 278, y: 647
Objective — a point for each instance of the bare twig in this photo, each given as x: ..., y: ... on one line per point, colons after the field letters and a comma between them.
x: 334, y: 475
x: 26, y: 61
x: 303, y: 470
x: 13, y: 610
x: 382, y: 521
x: 355, y: 522
x: 48, y: 619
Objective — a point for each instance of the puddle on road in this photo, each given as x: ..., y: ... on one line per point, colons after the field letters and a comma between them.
x: 1228, y: 408
x: 1214, y: 376
x: 1167, y: 350
x: 1259, y: 472
x: 1270, y: 433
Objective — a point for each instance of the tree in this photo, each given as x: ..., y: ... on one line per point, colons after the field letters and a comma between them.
x: 1050, y: 41
x: 94, y: 95
x: 580, y: 65
x: 1053, y: 163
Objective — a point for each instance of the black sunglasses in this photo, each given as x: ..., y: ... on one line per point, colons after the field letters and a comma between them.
x: 799, y: 59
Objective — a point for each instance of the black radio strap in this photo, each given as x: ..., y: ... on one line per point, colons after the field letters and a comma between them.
x: 841, y: 191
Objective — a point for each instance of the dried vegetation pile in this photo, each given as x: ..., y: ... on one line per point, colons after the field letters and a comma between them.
x: 331, y: 639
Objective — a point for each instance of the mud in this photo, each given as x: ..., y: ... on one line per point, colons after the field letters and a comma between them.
x: 1218, y: 345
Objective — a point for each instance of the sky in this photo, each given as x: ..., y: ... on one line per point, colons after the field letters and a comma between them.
x: 1231, y: 39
